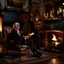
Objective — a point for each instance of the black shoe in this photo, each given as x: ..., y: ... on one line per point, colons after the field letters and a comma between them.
x: 37, y: 55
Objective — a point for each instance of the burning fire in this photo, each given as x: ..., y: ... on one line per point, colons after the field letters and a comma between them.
x: 54, y: 39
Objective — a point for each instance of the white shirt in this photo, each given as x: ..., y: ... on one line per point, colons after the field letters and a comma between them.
x: 20, y: 34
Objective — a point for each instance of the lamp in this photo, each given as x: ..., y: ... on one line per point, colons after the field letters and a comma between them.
x: 0, y: 28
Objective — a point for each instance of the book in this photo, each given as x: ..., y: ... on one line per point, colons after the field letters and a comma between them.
x: 31, y: 34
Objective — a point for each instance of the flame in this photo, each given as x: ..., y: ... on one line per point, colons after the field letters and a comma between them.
x: 54, y: 38
x: 56, y: 43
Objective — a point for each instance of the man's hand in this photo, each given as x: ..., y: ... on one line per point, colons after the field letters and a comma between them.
x: 27, y: 37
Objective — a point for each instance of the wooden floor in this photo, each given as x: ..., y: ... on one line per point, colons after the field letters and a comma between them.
x: 53, y: 58
x: 56, y: 60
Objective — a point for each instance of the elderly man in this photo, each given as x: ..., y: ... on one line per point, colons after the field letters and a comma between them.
x: 25, y: 39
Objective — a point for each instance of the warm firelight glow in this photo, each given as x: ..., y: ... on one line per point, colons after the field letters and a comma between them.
x: 55, y: 40
x: 56, y: 43
x: 46, y: 15
x: 0, y: 28
x: 0, y: 25
x: 54, y: 61
x: 37, y: 19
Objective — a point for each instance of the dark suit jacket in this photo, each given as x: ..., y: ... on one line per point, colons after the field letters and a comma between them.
x: 14, y: 36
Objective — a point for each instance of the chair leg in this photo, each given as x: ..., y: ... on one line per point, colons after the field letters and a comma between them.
x: 20, y: 55
x: 28, y: 50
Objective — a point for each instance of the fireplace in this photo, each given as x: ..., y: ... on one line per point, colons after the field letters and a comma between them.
x: 53, y: 38
x: 52, y: 33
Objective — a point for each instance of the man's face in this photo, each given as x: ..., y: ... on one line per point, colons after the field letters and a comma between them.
x: 17, y: 26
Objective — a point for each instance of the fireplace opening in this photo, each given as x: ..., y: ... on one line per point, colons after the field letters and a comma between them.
x: 53, y: 38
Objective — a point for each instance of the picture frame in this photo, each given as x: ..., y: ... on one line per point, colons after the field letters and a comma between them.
x: 14, y: 4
